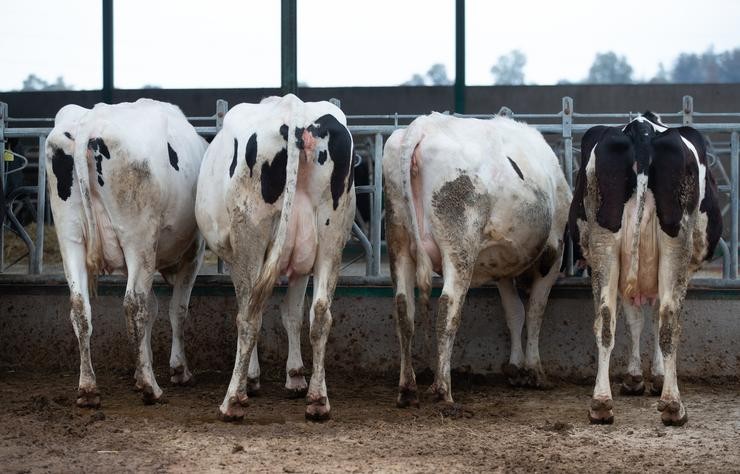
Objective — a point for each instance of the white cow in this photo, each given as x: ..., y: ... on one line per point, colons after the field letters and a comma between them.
x: 122, y: 188
x: 473, y: 200
x: 276, y: 197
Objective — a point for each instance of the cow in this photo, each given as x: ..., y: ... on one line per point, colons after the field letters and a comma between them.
x: 473, y: 200
x: 276, y: 197
x: 122, y: 182
x: 645, y: 215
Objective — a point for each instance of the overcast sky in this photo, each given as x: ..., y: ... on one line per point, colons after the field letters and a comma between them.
x: 232, y: 43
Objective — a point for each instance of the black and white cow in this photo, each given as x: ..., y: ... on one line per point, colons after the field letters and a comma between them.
x: 276, y: 197
x: 473, y: 200
x: 122, y: 189
x: 645, y: 214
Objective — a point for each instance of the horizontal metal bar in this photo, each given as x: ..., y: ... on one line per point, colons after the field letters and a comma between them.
x: 365, y: 189
x: 30, y: 119
x: 27, y: 132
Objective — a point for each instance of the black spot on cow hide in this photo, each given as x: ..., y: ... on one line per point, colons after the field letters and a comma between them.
x: 250, y: 153
x: 516, y: 168
x: 340, y: 152
x: 615, y: 156
x: 63, y: 167
x: 674, y: 180
x: 274, y: 176
x: 233, y: 159
x: 99, y: 150
x: 322, y: 157
x: 173, y: 157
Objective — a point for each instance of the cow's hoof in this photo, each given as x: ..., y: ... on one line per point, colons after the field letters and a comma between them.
x: 656, y: 385
x: 440, y: 393
x: 632, y: 385
x: 180, y: 375
x: 407, y: 397
x: 253, y: 386
x: 512, y: 373
x: 317, y: 408
x: 601, y: 411
x: 537, y: 379
x: 672, y: 412
x: 88, y: 398
x: 236, y: 408
x: 525, y: 377
x: 296, y: 384
x: 150, y: 396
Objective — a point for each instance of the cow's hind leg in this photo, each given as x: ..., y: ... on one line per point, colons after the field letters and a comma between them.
x: 403, y: 311
x: 292, y: 315
x: 657, y: 370
x: 140, y: 307
x: 449, y: 311
x: 605, y: 266
x: 632, y: 384
x: 673, y: 278
x: 545, y: 273
x: 244, y: 272
x: 80, y: 315
x: 514, y: 314
x: 331, y: 241
x: 182, y: 279
x: 253, y: 373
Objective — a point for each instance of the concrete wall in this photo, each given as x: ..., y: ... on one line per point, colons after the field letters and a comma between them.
x: 35, y: 332
x: 415, y: 100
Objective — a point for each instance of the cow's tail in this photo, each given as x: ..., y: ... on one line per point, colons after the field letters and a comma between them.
x: 93, y: 245
x: 411, y: 139
x: 270, y: 269
x: 631, y: 281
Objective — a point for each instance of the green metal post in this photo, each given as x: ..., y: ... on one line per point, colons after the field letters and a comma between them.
x: 108, y: 51
x: 288, y: 47
x: 460, y: 56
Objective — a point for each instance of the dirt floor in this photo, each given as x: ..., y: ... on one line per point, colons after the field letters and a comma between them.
x: 495, y: 428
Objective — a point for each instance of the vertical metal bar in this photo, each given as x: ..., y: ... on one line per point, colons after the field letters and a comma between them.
x: 288, y: 48
x: 734, y: 171
x: 3, y: 120
x: 726, y: 263
x: 3, y: 125
x: 377, y: 204
x: 567, y: 121
x: 38, y: 256
x: 688, y: 110
x: 108, y: 51
x: 222, y: 107
x: 460, y: 56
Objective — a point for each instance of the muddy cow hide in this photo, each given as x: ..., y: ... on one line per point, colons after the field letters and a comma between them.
x: 645, y: 215
x: 276, y: 197
x: 122, y: 190
x: 473, y: 200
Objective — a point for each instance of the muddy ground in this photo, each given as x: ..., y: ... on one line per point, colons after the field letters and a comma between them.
x: 498, y: 428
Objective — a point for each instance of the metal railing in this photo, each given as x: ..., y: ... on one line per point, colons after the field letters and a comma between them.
x: 561, y: 126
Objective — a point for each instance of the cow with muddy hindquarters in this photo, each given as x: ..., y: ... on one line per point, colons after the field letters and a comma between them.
x: 474, y: 201
x: 646, y: 215
x: 276, y: 197
x: 122, y: 184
